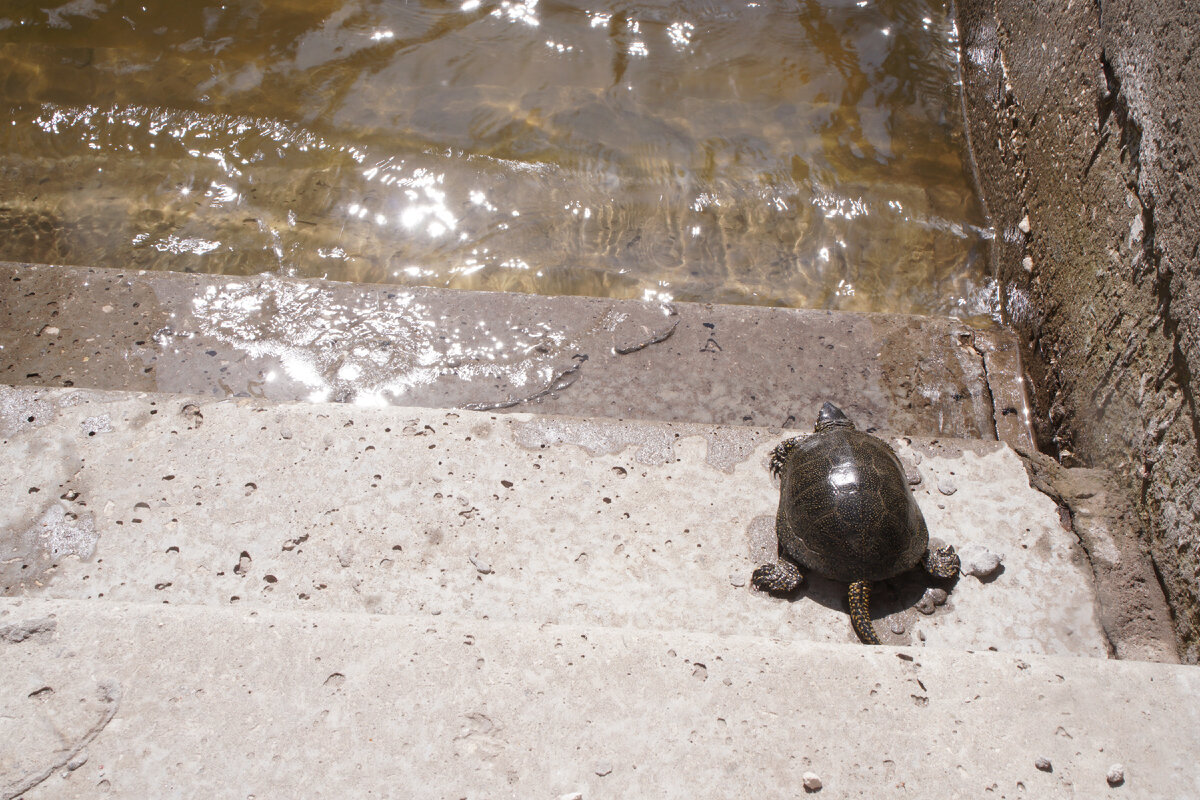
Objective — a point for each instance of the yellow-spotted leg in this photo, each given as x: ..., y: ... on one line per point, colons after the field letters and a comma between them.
x: 941, y: 563
x: 778, y: 577
x: 780, y: 453
x: 860, y: 612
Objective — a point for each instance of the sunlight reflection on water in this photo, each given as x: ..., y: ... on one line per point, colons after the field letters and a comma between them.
x: 802, y: 154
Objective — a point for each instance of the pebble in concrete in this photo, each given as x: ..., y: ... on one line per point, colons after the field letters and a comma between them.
x: 978, y: 561
x: 1116, y: 775
x: 812, y: 782
x: 1044, y: 764
x: 946, y: 486
x: 933, y: 597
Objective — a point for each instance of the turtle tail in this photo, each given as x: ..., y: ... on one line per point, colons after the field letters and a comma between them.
x: 860, y: 612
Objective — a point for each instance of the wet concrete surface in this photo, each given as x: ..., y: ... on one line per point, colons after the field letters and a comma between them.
x: 1085, y: 129
x: 283, y: 339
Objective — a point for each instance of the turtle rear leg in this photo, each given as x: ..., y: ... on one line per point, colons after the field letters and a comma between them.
x: 780, y: 453
x: 942, y: 562
x: 860, y: 612
x: 778, y: 577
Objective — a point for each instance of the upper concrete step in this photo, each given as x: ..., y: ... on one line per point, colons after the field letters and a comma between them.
x: 285, y: 339
x: 158, y: 498
x: 139, y: 700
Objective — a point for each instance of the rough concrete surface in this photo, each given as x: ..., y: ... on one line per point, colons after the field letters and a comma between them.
x: 1084, y: 120
x: 158, y: 498
x: 1133, y: 611
x: 286, y: 339
x: 141, y: 700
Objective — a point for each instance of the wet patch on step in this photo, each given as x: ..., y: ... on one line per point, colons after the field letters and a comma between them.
x: 29, y: 559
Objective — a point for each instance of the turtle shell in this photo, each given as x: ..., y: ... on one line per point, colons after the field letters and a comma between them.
x: 845, y: 508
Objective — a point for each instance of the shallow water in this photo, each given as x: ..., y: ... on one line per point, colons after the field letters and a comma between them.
x: 803, y: 154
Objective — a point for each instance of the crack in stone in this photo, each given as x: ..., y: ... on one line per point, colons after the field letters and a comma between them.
x: 656, y: 339
x: 561, y: 381
x: 967, y: 339
x: 110, y: 694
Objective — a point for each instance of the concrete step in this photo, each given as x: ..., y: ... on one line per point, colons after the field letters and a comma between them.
x: 136, y: 700
x: 479, y: 516
x: 286, y: 339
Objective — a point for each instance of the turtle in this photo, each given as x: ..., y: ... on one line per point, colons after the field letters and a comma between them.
x: 846, y: 512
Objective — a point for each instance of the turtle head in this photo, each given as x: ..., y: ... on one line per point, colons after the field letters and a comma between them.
x: 831, y: 417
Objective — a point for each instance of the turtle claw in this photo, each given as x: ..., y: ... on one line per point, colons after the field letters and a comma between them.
x: 942, y: 562
x: 778, y: 577
x: 780, y: 454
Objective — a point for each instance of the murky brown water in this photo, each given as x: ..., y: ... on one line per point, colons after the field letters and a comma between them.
x: 796, y: 153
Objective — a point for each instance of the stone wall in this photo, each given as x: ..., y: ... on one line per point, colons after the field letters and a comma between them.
x: 1084, y: 120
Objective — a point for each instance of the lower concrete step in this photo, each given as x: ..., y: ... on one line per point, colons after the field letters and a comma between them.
x: 143, y: 700
x: 474, y: 515
x: 286, y: 339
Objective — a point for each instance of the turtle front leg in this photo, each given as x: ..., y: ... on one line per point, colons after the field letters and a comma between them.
x: 780, y: 453
x: 942, y: 562
x: 778, y: 577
